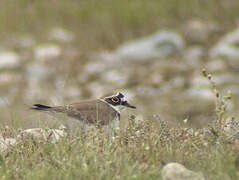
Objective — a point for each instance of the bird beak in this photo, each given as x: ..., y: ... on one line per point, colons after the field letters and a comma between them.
x: 126, y: 104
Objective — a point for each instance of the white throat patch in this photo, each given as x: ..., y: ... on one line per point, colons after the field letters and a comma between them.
x: 118, y: 108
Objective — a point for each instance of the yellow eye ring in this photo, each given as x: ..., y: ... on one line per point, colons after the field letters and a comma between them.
x: 115, y: 99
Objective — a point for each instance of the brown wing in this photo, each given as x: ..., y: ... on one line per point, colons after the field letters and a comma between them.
x: 93, y: 111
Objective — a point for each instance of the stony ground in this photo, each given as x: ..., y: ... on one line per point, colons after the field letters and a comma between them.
x: 62, y: 52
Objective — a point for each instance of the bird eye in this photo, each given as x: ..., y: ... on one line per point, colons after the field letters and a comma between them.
x: 115, y: 99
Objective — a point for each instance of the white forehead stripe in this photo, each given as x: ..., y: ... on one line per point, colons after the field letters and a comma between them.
x: 114, y: 96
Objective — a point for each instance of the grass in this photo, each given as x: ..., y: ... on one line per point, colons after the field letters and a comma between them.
x: 137, y: 152
x: 141, y: 150
x: 105, y: 24
x: 94, y: 157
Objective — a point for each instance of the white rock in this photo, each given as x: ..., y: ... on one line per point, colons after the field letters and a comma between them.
x: 94, y: 67
x: 193, y: 55
x: 55, y: 135
x: 200, y: 81
x: 176, y: 171
x: 150, y: 91
x: 201, y: 93
x: 168, y: 86
x: 37, y: 71
x: 46, y: 52
x: 5, y: 101
x: 159, y: 45
x: 39, y: 134
x: 61, y: 35
x: 9, y: 60
x: 176, y: 82
x: 227, y: 48
x: 226, y: 78
x: 115, y: 77
x: 224, y: 51
x: 6, y: 143
x: 198, y: 31
x: 35, y: 134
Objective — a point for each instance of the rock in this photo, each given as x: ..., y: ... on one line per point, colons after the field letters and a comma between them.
x: 201, y: 93
x: 36, y: 73
x: 226, y: 78
x: 197, y: 31
x: 227, y: 48
x: 55, y: 135
x: 193, y: 55
x: 200, y: 81
x: 200, y: 88
x: 6, y: 143
x: 61, y: 35
x: 36, y: 134
x: 9, y: 60
x: 6, y: 100
x: 157, y: 46
x: 175, y: 171
x: 45, y: 52
x: 39, y: 134
x: 176, y: 82
x: 94, y: 67
x: 114, y: 77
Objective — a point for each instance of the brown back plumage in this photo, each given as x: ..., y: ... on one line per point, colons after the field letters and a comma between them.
x: 91, y: 111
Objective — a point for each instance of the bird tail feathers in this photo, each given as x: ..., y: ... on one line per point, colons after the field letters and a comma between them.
x: 41, y: 107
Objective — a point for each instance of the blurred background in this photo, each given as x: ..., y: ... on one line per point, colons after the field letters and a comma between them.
x: 58, y: 52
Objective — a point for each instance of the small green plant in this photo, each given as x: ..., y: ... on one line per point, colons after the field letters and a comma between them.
x: 221, y: 102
